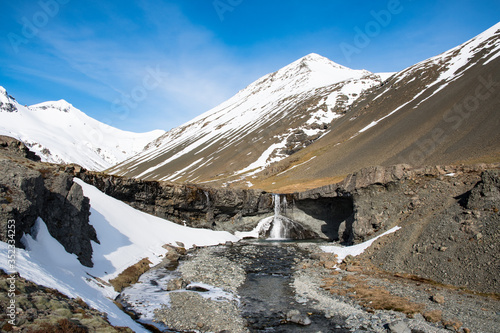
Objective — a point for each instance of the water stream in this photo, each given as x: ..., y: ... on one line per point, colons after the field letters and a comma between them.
x: 278, y: 230
x: 278, y: 226
x: 267, y: 295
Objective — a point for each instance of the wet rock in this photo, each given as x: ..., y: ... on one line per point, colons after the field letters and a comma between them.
x: 197, y: 288
x: 399, y: 327
x: 294, y: 316
x: 176, y: 284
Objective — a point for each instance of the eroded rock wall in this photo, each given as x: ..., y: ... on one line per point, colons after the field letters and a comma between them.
x: 29, y: 190
x: 195, y: 206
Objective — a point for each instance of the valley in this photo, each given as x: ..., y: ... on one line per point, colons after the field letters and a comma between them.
x: 317, y: 199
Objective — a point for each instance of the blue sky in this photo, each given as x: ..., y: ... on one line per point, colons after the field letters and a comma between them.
x: 143, y: 65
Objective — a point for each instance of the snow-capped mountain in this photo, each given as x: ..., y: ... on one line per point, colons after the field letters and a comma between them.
x: 60, y: 133
x: 266, y: 122
x: 315, y: 119
x: 443, y: 110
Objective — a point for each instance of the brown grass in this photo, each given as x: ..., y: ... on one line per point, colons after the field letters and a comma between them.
x: 62, y: 326
x: 378, y: 298
x: 46, y: 172
x: 289, y: 186
x: 371, y: 297
x: 130, y: 275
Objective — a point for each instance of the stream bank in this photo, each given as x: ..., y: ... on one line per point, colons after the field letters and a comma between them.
x: 263, y: 286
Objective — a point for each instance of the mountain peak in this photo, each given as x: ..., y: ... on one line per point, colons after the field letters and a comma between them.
x: 7, y: 102
x: 314, y: 58
x: 61, y: 105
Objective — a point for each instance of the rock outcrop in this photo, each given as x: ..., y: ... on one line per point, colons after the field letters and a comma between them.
x: 486, y: 194
x: 375, y: 199
x: 29, y: 190
x: 195, y: 206
x: 41, y: 309
x: 366, y: 202
x: 18, y: 148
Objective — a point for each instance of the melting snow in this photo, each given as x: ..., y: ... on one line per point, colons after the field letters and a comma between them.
x: 126, y: 236
x: 354, y: 250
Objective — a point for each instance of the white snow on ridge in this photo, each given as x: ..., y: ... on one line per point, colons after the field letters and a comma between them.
x: 452, y: 65
x: 385, y: 75
x: 126, y: 236
x: 60, y: 133
x: 260, y: 105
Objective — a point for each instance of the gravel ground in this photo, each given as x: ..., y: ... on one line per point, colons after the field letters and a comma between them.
x: 203, y: 266
x: 190, y: 311
x: 475, y: 312
x: 307, y: 284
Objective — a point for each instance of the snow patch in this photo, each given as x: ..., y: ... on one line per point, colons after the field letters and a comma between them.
x: 126, y: 236
x: 354, y: 250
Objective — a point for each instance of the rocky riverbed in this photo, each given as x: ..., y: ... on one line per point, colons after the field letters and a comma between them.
x: 296, y: 287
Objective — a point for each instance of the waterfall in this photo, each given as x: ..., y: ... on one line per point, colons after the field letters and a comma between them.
x: 278, y: 226
x: 208, y: 198
x: 278, y: 229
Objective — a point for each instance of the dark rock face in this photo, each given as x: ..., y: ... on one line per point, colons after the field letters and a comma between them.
x: 67, y: 211
x: 29, y: 190
x: 486, y: 194
x: 21, y: 198
x: 17, y: 147
x: 354, y: 209
x: 366, y: 203
x: 329, y: 218
x: 203, y: 207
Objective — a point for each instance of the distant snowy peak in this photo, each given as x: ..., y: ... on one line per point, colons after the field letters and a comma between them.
x: 309, y: 72
x: 7, y: 102
x: 60, y: 133
x: 60, y: 105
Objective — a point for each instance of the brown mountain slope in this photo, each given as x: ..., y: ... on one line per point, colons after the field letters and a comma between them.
x: 416, y: 118
x: 314, y: 121
x: 267, y: 121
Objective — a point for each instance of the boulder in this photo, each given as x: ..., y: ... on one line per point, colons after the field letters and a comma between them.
x: 294, y: 316
x: 486, y: 194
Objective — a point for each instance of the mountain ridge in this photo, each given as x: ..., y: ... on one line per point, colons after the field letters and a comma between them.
x: 60, y: 133
x: 272, y: 118
x: 323, y: 121
x: 443, y: 110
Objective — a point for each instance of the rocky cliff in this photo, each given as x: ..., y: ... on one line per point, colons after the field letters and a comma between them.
x: 366, y: 202
x: 196, y: 206
x: 29, y: 190
x: 449, y: 215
